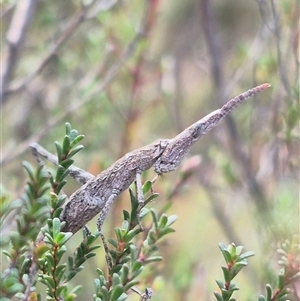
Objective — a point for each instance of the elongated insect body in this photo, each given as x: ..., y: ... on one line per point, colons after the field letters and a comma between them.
x: 93, y: 196
x: 180, y: 145
x: 165, y: 155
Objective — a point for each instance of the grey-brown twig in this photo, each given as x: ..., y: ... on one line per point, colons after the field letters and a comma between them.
x: 165, y: 155
x: 77, y: 173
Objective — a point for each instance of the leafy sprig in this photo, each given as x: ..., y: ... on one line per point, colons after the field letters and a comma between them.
x: 235, y: 261
x: 288, y: 274
x: 130, y: 253
x: 54, y: 274
x: 31, y: 211
x: 65, y: 152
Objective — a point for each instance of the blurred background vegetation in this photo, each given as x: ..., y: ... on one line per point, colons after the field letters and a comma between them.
x: 125, y: 73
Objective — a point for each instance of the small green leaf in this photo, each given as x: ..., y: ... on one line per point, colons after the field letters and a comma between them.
x: 90, y: 249
x: 172, y: 219
x: 226, y: 294
x: 16, y: 241
x: 42, y: 180
x: 232, y: 250
x: 220, y: 284
x: 241, y: 264
x: 61, y: 288
x: 51, y: 179
x: 130, y: 284
x: 80, y: 261
x: 42, y: 191
x: 136, y: 265
x: 222, y: 246
x: 282, y: 252
x: 134, y: 203
x: 57, y: 213
x: 25, y: 265
x: 66, y: 145
x: 269, y: 292
x: 218, y: 296
x: 234, y: 271
x: 261, y: 298
x: 154, y: 259
x: 60, y: 186
x: 70, y: 262
x: 62, y: 238
x: 233, y: 287
x: 245, y: 255
x: 104, y: 293
x: 64, y: 174
x: 124, y: 274
x: 280, y: 280
x: 147, y: 187
x: 59, y: 151
x: 151, y: 238
x: 50, y: 260
x: 283, y: 261
x: 225, y: 252
x: 68, y: 128
x: 116, y: 279
x: 73, y: 134
x: 49, y: 281
x: 133, y: 252
x: 29, y: 170
x: 6, y: 253
x: 76, y: 140
x: 165, y: 231
x: 123, y: 297
x: 226, y: 274
x: 120, y: 233
x: 59, y: 172
x: 137, y: 272
x: 144, y: 211
x: 126, y: 215
x: 155, y: 218
x: 76, y: 289
x: 282, y: 298
x: 113, y: 242
x: 75, y: 150
x: 71, y: 274
x: 67, y: 163
x: 55, y: 227
x: 61, y: 251
x: 132, y: 233
x: 61, y: 199
x: 151, y: 197
x: 90, y: 255
x: 116, y: 292
x: 125, y: 225
x: 162, y: 221
x: 30, y: 191
x: 239, y: 249
x: 58, y: 274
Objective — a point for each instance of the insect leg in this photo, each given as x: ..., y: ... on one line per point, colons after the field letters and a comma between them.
x: 100, y: 222
x: 140, y: 195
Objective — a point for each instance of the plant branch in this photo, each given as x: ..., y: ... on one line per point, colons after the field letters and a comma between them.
x: 217, y: 75
x: 77, y: 173
x: 74, y: 24
x: 108, y: 78
x: 15, y: 37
